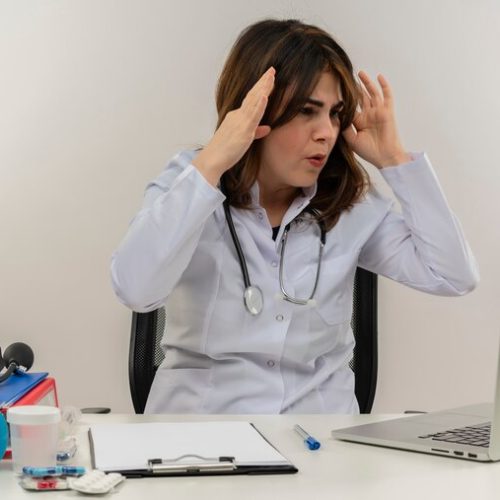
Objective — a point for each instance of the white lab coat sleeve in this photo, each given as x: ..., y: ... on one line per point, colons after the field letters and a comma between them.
x: 163, y: 236
x: 424, y: 246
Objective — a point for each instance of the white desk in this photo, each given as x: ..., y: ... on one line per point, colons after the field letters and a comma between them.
x: 338, y: 470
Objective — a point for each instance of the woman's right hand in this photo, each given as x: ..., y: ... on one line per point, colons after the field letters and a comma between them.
x: 237, y: 131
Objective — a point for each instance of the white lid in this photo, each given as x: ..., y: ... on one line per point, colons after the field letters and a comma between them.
x: 33, y: 415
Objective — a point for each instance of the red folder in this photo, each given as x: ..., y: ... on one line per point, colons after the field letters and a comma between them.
x: 42, y: 394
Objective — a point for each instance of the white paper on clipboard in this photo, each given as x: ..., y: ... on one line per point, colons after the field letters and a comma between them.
x: 129, y: 446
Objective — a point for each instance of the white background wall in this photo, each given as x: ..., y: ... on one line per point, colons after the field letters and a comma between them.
x: 96, y: 95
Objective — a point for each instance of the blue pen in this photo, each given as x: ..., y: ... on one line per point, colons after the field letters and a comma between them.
x: 73, y: 470
x: 310, y: 442
x: 43, y: 471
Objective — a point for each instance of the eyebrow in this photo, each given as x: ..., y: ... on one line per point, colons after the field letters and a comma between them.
x: 320, y: 104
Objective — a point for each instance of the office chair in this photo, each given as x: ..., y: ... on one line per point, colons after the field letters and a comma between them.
x: 145, y: 354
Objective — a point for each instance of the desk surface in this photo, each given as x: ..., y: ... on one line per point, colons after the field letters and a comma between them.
x: 338, y: 470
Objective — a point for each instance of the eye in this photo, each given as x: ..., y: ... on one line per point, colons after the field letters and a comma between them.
x: 307, y: 111
x: 335, y: 113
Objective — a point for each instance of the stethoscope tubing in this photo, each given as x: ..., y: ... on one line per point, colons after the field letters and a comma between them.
x: 236, y: 241
x: 253, y: 297
x: 286, y: 296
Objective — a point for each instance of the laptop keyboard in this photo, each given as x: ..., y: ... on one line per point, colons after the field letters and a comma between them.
x: 473, y: 435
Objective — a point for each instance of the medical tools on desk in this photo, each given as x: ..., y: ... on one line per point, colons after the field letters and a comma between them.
x: 17, y: 357
x: 49, y: 478
x: 94, y: 482
x: 67, y: 447
x: 58, y: 470
x: 34, y: 434
x: 43, y: 484
x: 309, y: 441
x: 184, y: 448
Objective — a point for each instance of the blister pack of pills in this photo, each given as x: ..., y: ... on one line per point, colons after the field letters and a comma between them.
x: 43, y: 484
x: 96, y: 482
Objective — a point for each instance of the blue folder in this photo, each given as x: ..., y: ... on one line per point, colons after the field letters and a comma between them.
x: 17, y: 385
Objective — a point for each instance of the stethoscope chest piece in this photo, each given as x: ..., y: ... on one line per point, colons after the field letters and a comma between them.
x: 254, y: 299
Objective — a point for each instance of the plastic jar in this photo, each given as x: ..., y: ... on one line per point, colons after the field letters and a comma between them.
x: 34, y: 433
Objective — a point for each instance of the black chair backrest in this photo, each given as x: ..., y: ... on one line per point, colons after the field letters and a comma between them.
x: 364, y: 325
x: 145, y: 354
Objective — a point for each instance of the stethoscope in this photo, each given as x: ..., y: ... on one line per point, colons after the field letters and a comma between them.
x: 253, y: 296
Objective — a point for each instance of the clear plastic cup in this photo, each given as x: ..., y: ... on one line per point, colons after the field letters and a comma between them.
x: 34, y: 433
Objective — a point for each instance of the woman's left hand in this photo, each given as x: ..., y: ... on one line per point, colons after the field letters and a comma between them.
x: 373, y: 134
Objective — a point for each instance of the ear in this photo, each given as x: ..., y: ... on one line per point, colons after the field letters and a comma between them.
x: 261, y: 131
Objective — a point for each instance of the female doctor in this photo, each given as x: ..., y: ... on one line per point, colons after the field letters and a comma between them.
x: 252, y: 242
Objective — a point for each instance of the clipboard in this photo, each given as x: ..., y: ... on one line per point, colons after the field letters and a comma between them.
x: 161, y: 449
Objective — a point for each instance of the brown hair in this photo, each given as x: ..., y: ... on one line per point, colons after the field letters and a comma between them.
x: 300, y: 53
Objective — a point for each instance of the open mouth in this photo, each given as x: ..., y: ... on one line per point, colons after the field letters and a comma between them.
x: 317, y: 160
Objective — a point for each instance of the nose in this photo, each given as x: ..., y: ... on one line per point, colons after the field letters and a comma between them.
x: 326, y: 130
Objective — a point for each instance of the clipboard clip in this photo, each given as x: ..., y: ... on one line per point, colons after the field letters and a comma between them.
x: 190, y: 464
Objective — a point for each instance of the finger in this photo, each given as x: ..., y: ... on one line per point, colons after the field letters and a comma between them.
x: 349, y: 134
x: 371, y: 88
x: 253, y: 116
x: 266, y: 80
x: 358, y: 121
x: 365, y: 98
x: 386, y: 89
x: 263, y: 86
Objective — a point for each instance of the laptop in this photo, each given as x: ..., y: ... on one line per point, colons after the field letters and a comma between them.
x: 469, y: 432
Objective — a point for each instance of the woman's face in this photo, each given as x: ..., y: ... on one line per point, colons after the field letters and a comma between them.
x: 294, y: 154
